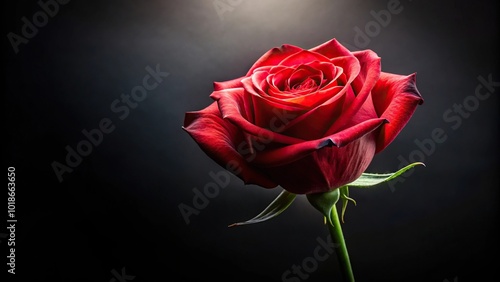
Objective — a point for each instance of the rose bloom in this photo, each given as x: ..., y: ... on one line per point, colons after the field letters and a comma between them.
x: 309, y: 121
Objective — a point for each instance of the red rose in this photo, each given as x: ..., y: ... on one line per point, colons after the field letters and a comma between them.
x: 307, y: 120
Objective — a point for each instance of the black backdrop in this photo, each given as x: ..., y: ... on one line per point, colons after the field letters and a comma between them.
x: 117, y: 212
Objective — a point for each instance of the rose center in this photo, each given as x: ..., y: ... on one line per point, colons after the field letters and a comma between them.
x: 307, y: 83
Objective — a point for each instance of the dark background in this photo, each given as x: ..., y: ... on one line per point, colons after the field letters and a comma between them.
x: 120, y: 207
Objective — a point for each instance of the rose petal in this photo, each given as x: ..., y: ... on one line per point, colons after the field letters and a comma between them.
x: 301, y: 74
x: 327, y: 73
x: 291, y: 153
x: 313, y: 124
x: 259, y: 83
x: 234, y: 108
x: 218, y: 139
x: 303, y: 57
x: 369, y: 63
x: 362, y: 85
x: 304, y: 99
x: 317, y: 122
x: 331, y: 49
x: 278, y: 80
x: 274, y: 56
x: 350, y: 66
x: 253, y: 86
x: 326, y: 109
x: 279, y: 75
x: 327, y: 168
x: 233, y: 83
x: 395, y: 98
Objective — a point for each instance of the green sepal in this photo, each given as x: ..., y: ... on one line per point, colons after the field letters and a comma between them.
x: 371, y: 179
x: 275, y: 208
x: 324, y: 202
x: 344, y: 196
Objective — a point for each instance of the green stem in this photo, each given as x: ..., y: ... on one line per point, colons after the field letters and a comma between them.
x: 341, y: 248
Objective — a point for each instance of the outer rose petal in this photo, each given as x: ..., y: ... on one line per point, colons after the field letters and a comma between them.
x: 233, y: 83
x: 326, y: 169
x: 218, y: 139
x: 292, y: 153
x: 395, y: 98
x: 331, y: 49
x: 234, y: 108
